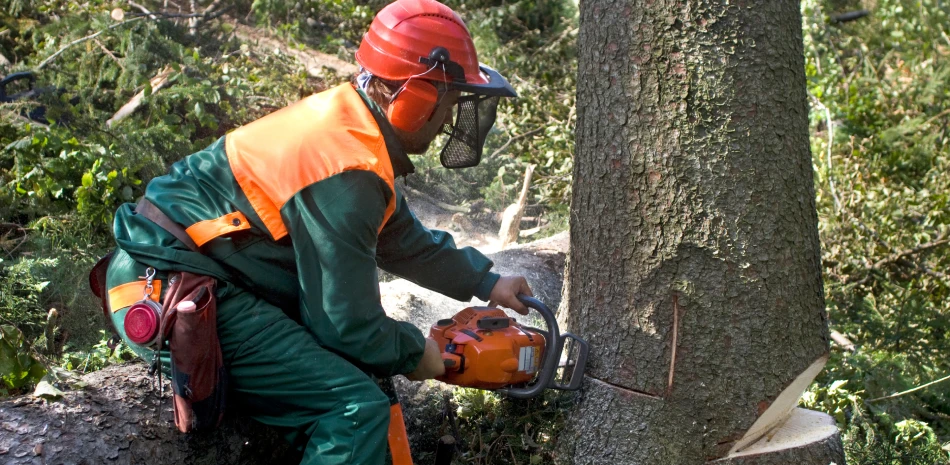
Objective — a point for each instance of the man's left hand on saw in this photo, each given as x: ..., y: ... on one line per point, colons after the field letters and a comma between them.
x: 505, y: 293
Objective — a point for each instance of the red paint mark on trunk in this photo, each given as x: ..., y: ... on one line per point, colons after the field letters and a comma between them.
x: 763, y: 406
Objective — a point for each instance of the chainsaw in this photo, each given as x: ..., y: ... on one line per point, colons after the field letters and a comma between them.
x: 484, y: 348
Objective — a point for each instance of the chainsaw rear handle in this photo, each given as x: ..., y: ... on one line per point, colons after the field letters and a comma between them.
x: 549, y: 360
x: 4, y: 97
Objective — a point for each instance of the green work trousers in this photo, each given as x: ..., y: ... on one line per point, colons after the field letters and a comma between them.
x: 280, y: 376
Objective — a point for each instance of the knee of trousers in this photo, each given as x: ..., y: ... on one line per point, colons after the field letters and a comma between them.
x: 373, y: 406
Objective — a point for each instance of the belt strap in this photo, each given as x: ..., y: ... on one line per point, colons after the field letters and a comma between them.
x: 150, y: 211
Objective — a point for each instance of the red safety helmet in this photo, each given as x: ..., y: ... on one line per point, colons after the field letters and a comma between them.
x: 419, y: 41
x: 424, y: 38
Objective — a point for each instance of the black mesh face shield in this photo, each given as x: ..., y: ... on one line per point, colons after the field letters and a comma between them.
x: 474, y: 118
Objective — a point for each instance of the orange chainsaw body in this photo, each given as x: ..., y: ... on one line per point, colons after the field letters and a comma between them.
x: 484, y: 348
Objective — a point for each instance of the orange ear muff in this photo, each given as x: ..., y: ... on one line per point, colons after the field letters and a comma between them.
x: 413, y: 105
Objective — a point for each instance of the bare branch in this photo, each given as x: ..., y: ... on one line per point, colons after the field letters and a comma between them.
x: 831, y: 137
x: 922, y: 386
x: 905, y: 253
x: 109, y: 53
x: 512, y: 139
x: 143, y: 10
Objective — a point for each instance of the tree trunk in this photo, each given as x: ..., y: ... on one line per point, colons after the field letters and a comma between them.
x: 694, y: 266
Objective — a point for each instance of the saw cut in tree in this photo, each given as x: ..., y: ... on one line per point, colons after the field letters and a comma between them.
x: 695, y: 269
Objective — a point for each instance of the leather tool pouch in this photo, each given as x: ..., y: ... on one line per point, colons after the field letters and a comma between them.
x: 199, y: 379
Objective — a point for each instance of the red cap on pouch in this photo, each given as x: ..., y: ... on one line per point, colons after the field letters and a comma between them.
x: 141, y: 323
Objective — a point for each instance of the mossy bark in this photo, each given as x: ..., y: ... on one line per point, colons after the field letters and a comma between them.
x: 694, y: 266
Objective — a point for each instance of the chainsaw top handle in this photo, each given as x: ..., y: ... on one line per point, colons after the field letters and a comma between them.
x: 551, y: 352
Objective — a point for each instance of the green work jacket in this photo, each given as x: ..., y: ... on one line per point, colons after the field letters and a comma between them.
x: 309, y: 238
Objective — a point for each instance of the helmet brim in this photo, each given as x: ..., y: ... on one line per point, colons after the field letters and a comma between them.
x: 490, y: 82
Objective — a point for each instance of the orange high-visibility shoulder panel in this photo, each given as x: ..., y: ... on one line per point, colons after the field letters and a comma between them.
x: 325, y: 134
x: 124, y: 295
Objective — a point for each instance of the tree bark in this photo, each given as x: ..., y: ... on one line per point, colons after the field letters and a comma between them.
x: 694, y: 267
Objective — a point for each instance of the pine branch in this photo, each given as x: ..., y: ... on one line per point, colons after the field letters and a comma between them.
x: 81, y: 40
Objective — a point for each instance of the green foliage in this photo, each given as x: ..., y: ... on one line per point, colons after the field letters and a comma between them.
x: 60, y: 183
x: 879, y: 92
x: 508, y: 431
x: 51, y: 174
x: 18, y: 367
x: 522, y: 39
x: 83, y: 361
x: 22, y: 284
x: 324, y: 24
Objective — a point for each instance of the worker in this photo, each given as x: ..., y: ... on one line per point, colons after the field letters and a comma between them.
x: 292, y: 214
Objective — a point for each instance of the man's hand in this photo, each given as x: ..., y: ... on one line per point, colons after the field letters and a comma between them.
x: 431, y: 364
x: 505, y: 293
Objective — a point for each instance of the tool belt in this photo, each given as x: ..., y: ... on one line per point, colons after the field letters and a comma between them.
x: 188, y: 322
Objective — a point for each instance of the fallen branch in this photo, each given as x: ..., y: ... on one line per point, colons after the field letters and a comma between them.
x: 831, y: 137
x: 903, y: 254
x: 193, y: 22
x: 529, y: 232
x: 442, y: 205
x: 511, y: 218
x: 900, y: 258
x: 936, y: 117
x: 109, y: 53
x: 899, y: 394
x: 512, y: 139
x: 849, y: 16
x: 155, y: 83
x: 143, y: 10
x: 312, y: 61
x: 842, y: 341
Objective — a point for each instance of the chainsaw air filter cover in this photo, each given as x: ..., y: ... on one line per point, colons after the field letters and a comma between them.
x: 484, y: 348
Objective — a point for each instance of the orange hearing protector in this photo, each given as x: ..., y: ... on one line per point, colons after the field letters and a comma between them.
x: 412, y: 105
